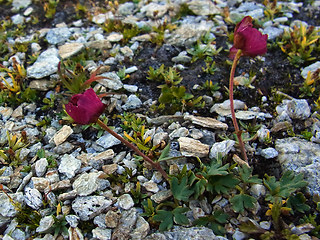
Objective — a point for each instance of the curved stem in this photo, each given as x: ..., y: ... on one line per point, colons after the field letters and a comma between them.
x: 233, y: 115
x: 155, y: 165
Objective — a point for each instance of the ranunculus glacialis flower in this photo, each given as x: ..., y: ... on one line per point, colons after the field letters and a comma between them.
x: 85, y: 108
x: 248, y: 39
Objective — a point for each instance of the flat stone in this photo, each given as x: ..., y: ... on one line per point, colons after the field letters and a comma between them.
x: 204, y: 7
x: 125, y: 201
x: 58, y: 35
x: 223, y: 148
x: 191, y: 147
x: 40, y: 183
x: 101, y: 234
x: 86, y: 183
x: 115, y: 37
x: 45, y: 224
x: 311, y: 68
x: 70, y: 49
x: 111, y: 81
x: 33, y: 198
x: 161, y: 196
x: 112, y: 219
x: 110, y: 169
x: 151, y: 186
x: 269, y: 153
x: 41, y: 85
x: 69, y: 165
x: 62, y: 135
x: 88, y: 207
x: 206, y: 122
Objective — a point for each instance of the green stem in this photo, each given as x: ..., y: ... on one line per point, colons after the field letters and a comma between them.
x: 155, y: 165
x: 233, y: 115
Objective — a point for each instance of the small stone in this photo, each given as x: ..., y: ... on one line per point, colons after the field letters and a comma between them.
x: 161, y: 196
x: 133, y: 102
x: 45, y: 224
x: 141, y: 229
x: 298, y: 109
x: 257, y: 190
x: 58, y: 35
x: 191, y: 147
x: 206, y: 122
x: 269, y: 153
x: 70, y: 49
x: 115, y: 37
x: 73, y: 220
x: 33, y: 198
x: 151, y: 186
x: 110, y: 169
x: 125, y: 201
x: 101, y: 234
x: 90, y: 206
x: 18, y: 112
x: 62, y: 135
x: 40, y: 183
x: 69, y: 165
x: 112, y: 219
x: 41, y: 167
x: 17, y: 4
x: 239, y: 235
x: 6, y: 112
x: 223, y: 147
x: 311, y: 68
x: 180, y: 132
x: 41, y: 85
x: 86, y: 183
x: 204, y: 7
x: 111, y: 81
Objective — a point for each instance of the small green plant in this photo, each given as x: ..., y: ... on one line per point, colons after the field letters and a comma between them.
x: 79, y: 79
x: 122, y: 74
x: 52, y: 163
x: 157, y: 36
x: 210, y: 66
x: 26, y: 216
x: 13, y: 91
x: 137, y: 194
x: 104, y: 119
x: 272, y: 9
x: 310, y: 84
x: 243, y: 200
x: 300, y: 44
x: 205, y: 47
x: 50, y: 8
x: 49, y: 102
x: 211, y: 87
x: 10, y: 153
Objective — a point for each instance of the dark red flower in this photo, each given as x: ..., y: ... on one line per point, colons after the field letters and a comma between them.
x: 248, y: 39
x: 85, y: 108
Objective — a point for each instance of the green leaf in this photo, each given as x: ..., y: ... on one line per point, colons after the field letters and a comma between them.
x: 216, y: 168
x: 180, y: 191
x: 288, y: 183
x: 221, y: 184
x: 214, y: 222
x: 245, y: 174
x: 148, y: 208
x: 165, y: 152
x: 179, y: 217
x: 241, y: 201
x: 251, y: 228
x: 166, y: 219
x: 297, y: 202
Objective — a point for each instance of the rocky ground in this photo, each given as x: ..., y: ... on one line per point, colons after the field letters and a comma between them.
x: 61, y: 180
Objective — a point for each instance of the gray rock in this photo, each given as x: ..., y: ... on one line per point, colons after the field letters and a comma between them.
x: 41, y: 85
x: 17, y: 4
x: 73, y: 220
x: 257, y: 190
x: 111, y: 81
x: 301, y: 156
x: 141, y: 229
x: 41, y: 167
x: 239, y: 235
x: 17, y: 19
x: 206, y: 122
x: 112, y: 219
x: 273, y: 32
x: 192, y: 147
x: 7, y: 210
x: 58, y: 35
x: 269, y: 153
x: 125, y: 201
x: 87, y: 183
x: 115, y: 37
x: 90, y: 206
x: 70, y: 49
x: 40, y: 183
x: 33, y: 198
x: 69, y: 165
x: 298, y: 109
x: 223, y: 148
x: 45, y: 224
x: 151, y: 186
x: 311, y: 68
x: 204, y: 7
x: 153, y: 7
x: 62, y: 135
x: 46, y: 64
x: 101, y: 234
x: 183, y: 233
x: 133, y: 102
x: 126, y: 8
x: 182, y: 58
x: 130, y: 88
x: 126, y: 224
x: 179, y: 132
x: 108, y: 141
x: 161, y: 196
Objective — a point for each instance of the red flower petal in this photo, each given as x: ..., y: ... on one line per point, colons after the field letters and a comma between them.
x: 85, y: 108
